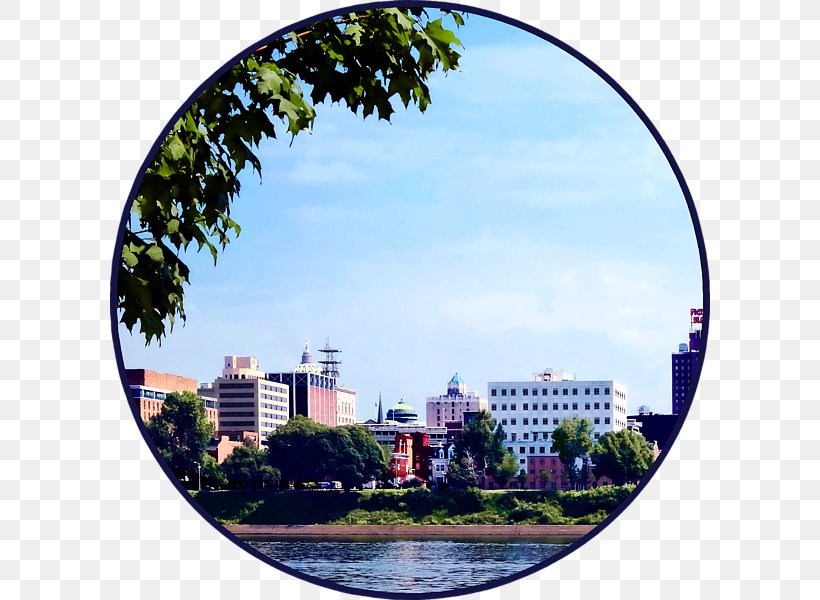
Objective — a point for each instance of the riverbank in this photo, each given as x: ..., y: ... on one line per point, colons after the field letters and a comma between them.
x: 410, y: 531
x: 413, y: 508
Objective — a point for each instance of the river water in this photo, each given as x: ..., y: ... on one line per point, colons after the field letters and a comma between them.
x: 410, y: 565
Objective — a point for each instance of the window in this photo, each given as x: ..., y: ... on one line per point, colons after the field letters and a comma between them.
x: 526, y: 421
x: 545, y: 407
x: 503, y: 407
x: 597, y: 391
x: 522, y: 450
x: 509, y: 448
x: 586, y: 406
x: 522, y: 461
x: 512, y: 392
x: 606, y: 420
x: 597, y: 406
x: 493, y: 407
x: 566, y: 406
x: 512, y: 406
x: 586, y: 391
x: 555, y: 421
x: 606, y: 391
x: 597, y: 435
x: 526, y: 392
x: 526, y: 436
x: 512, y: 439
x: 526, y: 406
x: 532, y: 449
x: 512, y: 421
x: 542, y: 450
x: 574, y: 391
x: 492, y: 392
x: 503, y: 392
x: 503, y: 421
x: 597, y: 420
x: 534, y: 391
x: 606, y: 405
x: 566, y: 392
x: 545, y: 421
x: 555, y: 406
x: 544, y: 392
x: 574, y: 406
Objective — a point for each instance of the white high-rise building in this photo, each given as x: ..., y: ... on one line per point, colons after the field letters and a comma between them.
x: 529, y: 411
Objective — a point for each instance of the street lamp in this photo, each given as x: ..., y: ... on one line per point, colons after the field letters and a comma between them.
x: 198, y: 476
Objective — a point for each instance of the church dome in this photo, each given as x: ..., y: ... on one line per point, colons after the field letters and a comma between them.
x: 402, y: 413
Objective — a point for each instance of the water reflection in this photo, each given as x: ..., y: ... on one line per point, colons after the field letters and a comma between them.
x: 409, y: 565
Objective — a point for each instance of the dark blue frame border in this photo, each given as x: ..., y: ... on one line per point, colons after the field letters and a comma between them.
x: 692, y: 213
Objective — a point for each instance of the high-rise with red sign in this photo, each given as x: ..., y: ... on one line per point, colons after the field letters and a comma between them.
x: 684, y: 362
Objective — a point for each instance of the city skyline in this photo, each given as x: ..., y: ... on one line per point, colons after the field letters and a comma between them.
x: 527, y: 220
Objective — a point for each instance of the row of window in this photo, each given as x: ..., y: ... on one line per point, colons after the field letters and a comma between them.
x: 546, y: 421
x: 541, y: 449
x: 236, y: 386
x: 141, y: 393
x: 237, y: 395
x: 565, y: 406
x: 276, y: 407
x: 545, y: 391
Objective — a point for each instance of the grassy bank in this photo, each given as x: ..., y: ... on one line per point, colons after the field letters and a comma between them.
x: 414, y: 507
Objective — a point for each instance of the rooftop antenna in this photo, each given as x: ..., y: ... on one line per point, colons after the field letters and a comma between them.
x: 330, y: 364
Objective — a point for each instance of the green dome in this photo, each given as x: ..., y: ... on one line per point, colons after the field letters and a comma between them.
x: 402, y: 413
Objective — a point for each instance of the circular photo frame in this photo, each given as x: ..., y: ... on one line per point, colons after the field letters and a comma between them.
x: 456, y: 199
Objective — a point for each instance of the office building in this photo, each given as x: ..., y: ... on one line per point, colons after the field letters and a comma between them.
x: 311, y: 393
x: 685, y: 361
x: 529, y: 411
x: 247, y: 401
x: 450, y: 407
x: 149, y: 389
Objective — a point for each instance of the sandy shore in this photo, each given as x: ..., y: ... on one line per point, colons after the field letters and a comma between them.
x: 412, y: 530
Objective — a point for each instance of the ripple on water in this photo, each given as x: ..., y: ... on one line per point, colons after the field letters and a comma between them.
x: 400, y: 565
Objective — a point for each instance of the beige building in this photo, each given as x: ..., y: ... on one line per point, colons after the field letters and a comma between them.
x: 247, y: 401
x: 450, y: 407
x: 345, y: 405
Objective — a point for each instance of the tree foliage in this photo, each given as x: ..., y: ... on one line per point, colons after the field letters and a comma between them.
x: 572, y: 440
x: 181, y: 432
x: 304, y: 450
x: 363, y: 60
x: 247, y: 467
x: 623, y: 456
x: 480, y: 452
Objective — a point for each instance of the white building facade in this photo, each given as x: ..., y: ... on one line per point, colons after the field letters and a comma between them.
x: 450, y: 407
x: 529, y: 411
x: 345, y: 405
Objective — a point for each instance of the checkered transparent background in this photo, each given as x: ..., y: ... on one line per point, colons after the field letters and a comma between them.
x: 86, y: 88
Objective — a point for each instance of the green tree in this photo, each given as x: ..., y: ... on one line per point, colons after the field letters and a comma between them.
x: 362, y: 59
x: 181, y: 432
x: 212, y: 475
x: 247, y: 467
x: 304, y: 450
x: 623, y: 456
x: 572, y: 440
x: 292, y: 450
x: 545, y: 477
x: 507, y: 469
x: 480, y: 452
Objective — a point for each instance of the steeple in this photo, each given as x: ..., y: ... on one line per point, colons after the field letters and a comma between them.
x: 380, y: 417
x: 456, y: 387
x: 307, y: 357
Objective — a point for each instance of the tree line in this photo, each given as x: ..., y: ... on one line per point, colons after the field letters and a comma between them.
x: 299, y: 451
x: 303, y: 450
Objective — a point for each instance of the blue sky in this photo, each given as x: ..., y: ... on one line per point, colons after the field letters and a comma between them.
x: 526, y: 220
